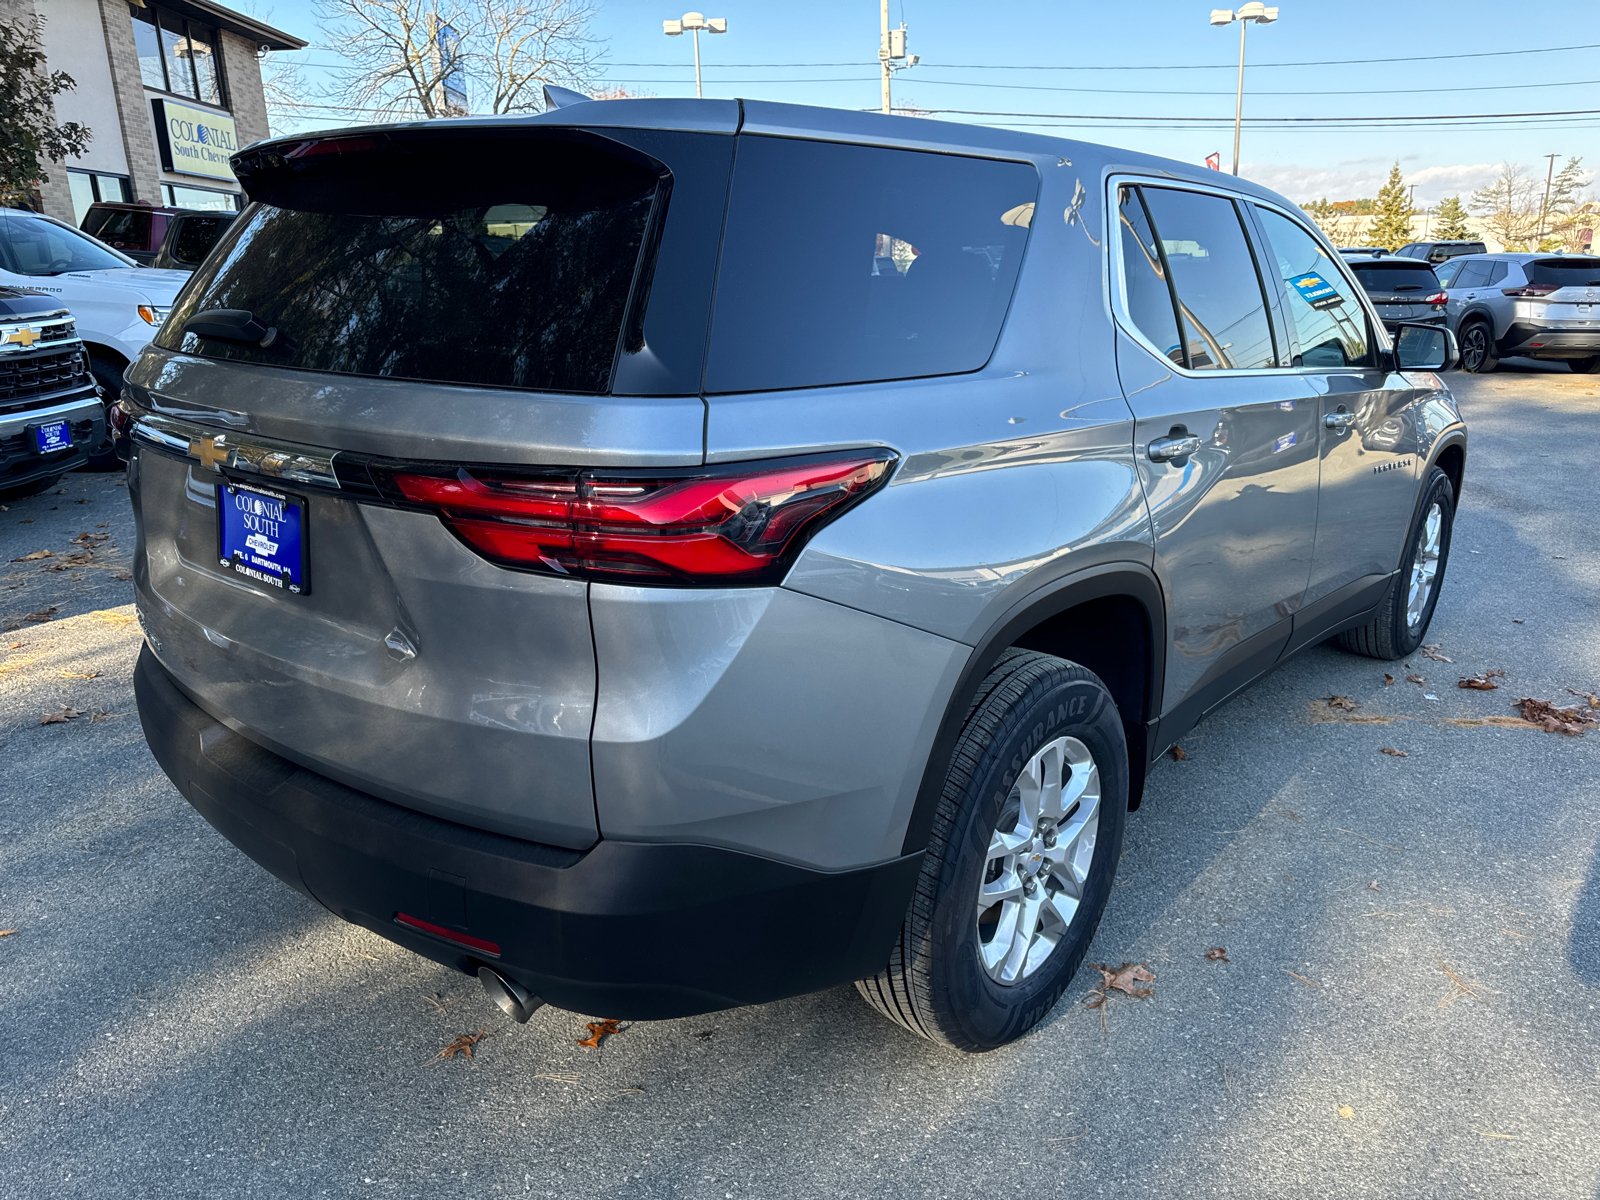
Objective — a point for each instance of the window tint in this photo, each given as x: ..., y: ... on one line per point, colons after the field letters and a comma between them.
x: 1387, y: 277
x: 1497, y: 272
x: 1326, y: 314
x: 34, y: 246
x: 1447, y: 272
x: 196, y: 236
x: 847, y: 264
x: 1564, y: 272
x: 1473, y: 273
x: 1219, y: 293
x: 124, y: 229
x: 1146, y: 295
x: 458, y: 260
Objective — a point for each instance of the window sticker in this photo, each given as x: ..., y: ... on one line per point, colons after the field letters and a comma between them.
x: 1316, y: 291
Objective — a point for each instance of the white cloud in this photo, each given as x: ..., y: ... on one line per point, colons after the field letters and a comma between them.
x: 1354, y: 179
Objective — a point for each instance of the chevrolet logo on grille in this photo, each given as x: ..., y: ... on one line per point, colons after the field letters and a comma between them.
x: 210, y: 451
x: 24, y: 337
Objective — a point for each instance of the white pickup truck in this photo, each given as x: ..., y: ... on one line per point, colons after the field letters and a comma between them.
x: 116, y: 303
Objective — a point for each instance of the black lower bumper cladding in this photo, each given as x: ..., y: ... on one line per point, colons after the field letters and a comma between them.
x: 624, y: 929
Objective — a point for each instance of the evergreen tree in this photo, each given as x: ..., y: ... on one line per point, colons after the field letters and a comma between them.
x: 1391, y: 221
x: 29, y: 136
x: 1451, y: 221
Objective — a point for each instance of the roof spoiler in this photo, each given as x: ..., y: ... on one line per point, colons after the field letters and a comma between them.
x: 560, y: 97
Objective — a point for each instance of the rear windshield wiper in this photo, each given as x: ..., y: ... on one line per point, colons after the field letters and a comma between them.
x: 231, y: 325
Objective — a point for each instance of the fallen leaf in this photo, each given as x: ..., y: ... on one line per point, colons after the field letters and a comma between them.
x: 1433, y: 653
x: 1547, y: 716
x: 6, y: 932
x: 1482, y: 682
x: 83, y: 501
x: 1589, y: 698
x: 103, y: 525
x: 1308, y: 982
x: 1516, y: 621
x: 1179, y: 754
x: 1348, y: 1113
x: 1416, y: 679
x: 1394, y: 753
x: 597, y: 1031
x: 1217, y: 954
x: 60, y: 717
x: 85, y: 538
x: 1373, y: 886
x: 36, y: 555
x: 1343, y: 702
x: 1388, y: 680
x: 1126, y: 978
x: 100, y: 714
x: 462, y: 1045
x: 15, y: 646
x: 43, y: 615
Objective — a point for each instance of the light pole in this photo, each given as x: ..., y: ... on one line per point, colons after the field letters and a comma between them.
x: 1544, y: 209
x: 694, y: 23
x: 1261, y: 15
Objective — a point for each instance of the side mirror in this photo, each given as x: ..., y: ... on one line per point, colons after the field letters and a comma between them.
x: 1419, y: 347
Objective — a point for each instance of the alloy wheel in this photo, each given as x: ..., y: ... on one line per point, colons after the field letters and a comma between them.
x: 1424, y: 565
x: 1474, y: 346
x: 1038, y: 861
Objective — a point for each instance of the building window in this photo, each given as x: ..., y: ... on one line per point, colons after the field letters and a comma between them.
x: 177, y: 55
x: 175, y: 196
x: 88, y: 187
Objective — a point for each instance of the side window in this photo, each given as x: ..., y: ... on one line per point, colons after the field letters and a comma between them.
x: 1220, y: 301
x: 1327, y: 316
x: 1497, y: 272
x: 1447, y: 271
x: 1474, y: 273
x: 1145, y: 292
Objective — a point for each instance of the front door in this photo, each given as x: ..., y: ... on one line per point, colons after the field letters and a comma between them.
x: 1225, y: 439
x: 1366, y: 434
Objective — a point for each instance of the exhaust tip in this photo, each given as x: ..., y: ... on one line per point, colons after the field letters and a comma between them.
x: 514, y: 1000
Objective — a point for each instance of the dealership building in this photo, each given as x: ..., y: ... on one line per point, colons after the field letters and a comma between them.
x: 169, y: 88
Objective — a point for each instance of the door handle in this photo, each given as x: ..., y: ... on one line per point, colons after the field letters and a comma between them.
x: 1340, y: 421
x: 1175, y: 448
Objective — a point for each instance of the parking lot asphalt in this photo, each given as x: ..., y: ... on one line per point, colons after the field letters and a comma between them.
x: 1407, y: 1006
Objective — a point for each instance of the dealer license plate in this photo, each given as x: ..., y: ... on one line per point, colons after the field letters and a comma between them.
x: 261, y: 534
x: 52, y: 437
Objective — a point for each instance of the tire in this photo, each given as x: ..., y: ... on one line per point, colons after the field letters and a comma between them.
x: 1393, y: 632
x: 1477, y: 348
x: 1585, y: 366
x: 945, y: 980
x: 109, y: 377
x: 30, y: 489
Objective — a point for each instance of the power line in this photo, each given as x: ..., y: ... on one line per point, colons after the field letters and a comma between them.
x: 1355, y: 120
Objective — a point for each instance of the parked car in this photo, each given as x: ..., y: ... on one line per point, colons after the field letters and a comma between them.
x: 653, y: 608
x: 1402, y: 288
x: 50, y: 410
x: 115, y: 304
x: 1531, y: 305
x: 176, y: 238
x: 1367, y: 251
x: 1438, y: 252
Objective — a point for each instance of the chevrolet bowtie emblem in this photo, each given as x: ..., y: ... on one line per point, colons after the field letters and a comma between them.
x: 210, y: 451
x: 24, y: 337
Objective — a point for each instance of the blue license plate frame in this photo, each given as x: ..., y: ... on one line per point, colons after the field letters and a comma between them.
x: 52, y: 437
x: 263, y: 536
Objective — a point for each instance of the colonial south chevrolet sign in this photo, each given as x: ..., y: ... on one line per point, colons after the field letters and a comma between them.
x: 194, y: 141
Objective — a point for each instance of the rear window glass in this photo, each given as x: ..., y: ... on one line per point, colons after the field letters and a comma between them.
x: 451, y: 260
x: 1565, y: 272
x: 1395, y: 277
x: 848, y: 264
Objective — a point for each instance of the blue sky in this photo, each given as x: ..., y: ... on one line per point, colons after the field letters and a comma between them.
x: 1146, y: 60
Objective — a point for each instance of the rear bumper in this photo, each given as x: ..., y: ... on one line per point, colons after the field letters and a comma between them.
x: 626, y: 929
x: 1431, y: 317
x: 1534, y: 341
x: 20, y: 461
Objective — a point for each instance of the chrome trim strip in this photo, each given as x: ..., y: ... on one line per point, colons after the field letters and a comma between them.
x: 246, y: 455
x: 85, y: 408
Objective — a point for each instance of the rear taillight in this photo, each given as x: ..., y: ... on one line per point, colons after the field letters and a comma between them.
x: 717, y: 525
x: 1436, y: 298
x: 1531, y: 291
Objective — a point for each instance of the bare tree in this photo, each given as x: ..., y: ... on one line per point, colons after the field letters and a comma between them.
x: 1508, y: 206
x: 418, y: 57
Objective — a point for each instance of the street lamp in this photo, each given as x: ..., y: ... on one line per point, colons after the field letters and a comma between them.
x: 1262, y: 15
x: 694, y: 23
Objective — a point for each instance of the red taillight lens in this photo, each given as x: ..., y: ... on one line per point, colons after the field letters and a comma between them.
x: 1532, y: 291
x: 449, y: 935
x: 1436, y: 298
x: 720, y: 525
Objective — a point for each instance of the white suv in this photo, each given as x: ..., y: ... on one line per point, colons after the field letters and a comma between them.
x: 117, y: 304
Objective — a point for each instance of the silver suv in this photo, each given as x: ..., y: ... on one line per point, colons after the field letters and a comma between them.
x: 1530, y: 305
x: 665, y: 555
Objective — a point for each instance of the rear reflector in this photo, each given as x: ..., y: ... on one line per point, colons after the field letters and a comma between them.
x: 718, y: 525
x: 449, y: 935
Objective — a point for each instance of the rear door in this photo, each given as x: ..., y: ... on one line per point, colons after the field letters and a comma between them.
x: 1225, y: 440
x: 1366, y: 433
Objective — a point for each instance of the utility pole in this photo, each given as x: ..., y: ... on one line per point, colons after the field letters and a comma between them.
x: 1261, y: 15
x: 891, y: 50
x: 1544, y: 211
